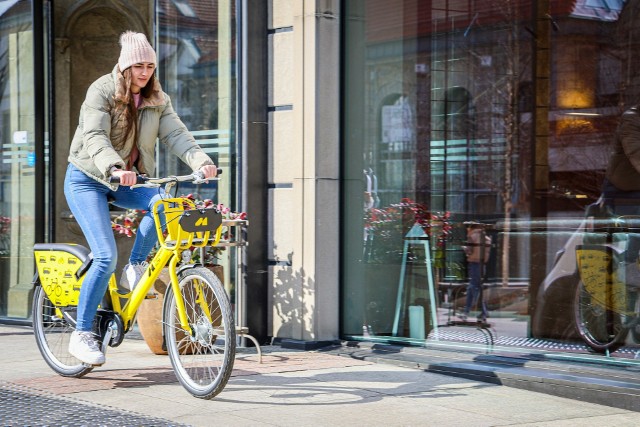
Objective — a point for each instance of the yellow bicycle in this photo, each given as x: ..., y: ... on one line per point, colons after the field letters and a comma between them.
x: 198, y: 324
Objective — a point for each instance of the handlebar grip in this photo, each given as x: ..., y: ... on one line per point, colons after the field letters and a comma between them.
x: 139, y: 179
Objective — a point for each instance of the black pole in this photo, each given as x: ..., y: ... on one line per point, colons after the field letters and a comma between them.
x: 253, y: 160
x: 39, y: 75
x: 51, y: 128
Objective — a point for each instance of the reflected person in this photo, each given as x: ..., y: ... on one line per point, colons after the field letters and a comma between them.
x: 477, y: 250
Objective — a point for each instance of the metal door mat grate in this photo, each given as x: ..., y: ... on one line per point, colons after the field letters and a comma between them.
x: 535, y: 343
x: 24, y: 406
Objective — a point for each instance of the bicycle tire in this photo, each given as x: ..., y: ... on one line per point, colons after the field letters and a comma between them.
x: 601, y: 328
x: 52, y: 336
x: 202, y: 362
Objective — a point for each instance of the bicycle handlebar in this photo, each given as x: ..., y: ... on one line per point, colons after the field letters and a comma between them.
x: 142, y: 181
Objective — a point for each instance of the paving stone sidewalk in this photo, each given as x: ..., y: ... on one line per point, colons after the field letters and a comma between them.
x: 290, y: 388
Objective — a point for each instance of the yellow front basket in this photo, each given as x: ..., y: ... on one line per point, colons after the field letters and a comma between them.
x: 186, y: 225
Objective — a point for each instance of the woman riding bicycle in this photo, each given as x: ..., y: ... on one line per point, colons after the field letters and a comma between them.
x: 123, y: 115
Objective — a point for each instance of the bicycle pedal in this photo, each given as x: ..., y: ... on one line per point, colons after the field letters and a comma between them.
x: 151, y: 296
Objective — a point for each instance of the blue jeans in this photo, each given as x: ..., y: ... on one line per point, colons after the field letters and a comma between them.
x: 88, y: 200
x: 474, y: 290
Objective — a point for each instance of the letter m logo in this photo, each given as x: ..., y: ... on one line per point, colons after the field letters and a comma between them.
x: 201, y: 220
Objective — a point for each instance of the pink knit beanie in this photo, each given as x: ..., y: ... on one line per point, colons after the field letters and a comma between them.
x: 135, y: 49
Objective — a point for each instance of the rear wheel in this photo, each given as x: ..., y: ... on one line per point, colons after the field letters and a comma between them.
x: 52, y: 334
x: 602, y: 328
x: 203, y: 360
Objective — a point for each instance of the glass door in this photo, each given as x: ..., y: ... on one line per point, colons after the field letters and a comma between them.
x: 22, y: 130
x: 196, y: 67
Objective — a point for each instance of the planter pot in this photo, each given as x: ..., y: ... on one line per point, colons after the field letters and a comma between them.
x: 149, y: 316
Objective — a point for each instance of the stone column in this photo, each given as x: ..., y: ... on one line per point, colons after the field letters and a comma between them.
x: 304, y: 170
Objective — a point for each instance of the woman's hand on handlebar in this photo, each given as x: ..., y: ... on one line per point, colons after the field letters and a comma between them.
x: 127, y: 178
x: 209, y: 171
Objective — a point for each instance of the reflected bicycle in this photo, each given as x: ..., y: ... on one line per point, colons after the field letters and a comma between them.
x: 606, y: 307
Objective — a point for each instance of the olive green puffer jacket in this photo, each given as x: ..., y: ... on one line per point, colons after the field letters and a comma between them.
x: 101, y: 128
x: 623, y: 169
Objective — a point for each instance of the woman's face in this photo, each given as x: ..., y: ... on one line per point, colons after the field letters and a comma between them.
x: 140, y: 75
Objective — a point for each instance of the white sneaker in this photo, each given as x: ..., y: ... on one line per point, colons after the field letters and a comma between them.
x: 131, y: 275
x: 84, y: 347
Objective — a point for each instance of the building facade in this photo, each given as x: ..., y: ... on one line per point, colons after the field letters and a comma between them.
x: 361, y: 138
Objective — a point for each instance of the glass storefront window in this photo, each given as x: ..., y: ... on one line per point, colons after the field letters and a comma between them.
x: 458, y: 118
x: 197, y: 69
x: 17, y: 169
x: 195, y: 42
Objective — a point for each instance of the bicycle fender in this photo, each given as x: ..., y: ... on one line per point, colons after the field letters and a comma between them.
x: 36, y: 280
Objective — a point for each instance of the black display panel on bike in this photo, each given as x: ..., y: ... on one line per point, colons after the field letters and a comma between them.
x: 201, y: 220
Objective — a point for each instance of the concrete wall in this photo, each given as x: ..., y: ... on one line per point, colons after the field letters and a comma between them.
x: 304, y: 168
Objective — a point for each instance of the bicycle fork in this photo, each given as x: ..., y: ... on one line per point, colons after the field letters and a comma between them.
x: 181, y: 308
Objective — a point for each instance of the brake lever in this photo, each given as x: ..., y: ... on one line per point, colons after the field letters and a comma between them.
x: 198, y: 177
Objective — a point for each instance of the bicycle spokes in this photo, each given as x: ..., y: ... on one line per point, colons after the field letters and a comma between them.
x: 202, y: 359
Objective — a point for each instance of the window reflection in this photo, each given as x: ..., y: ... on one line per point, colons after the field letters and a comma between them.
x: 460, y: 116
x: 196, y: 50
x: 17, y: 169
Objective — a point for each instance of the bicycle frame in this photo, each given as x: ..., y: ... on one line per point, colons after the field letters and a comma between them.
x: 130, y: 307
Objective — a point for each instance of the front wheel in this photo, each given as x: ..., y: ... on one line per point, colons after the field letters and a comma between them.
x: 601, y: 327
x: 52, y: 334
x: 202, y: 360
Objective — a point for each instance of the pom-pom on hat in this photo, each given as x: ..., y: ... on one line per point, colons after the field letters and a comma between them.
x: 135, y: 49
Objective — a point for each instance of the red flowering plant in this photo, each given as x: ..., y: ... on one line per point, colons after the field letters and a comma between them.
x: 226, y: 212
x: 386, y: 228
x: 127, y: 222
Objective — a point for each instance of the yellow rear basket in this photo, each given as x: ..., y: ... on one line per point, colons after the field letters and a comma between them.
x: 185, y: 225
x: 57, y: 272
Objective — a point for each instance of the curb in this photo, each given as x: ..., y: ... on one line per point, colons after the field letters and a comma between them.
x: 617, y: 387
